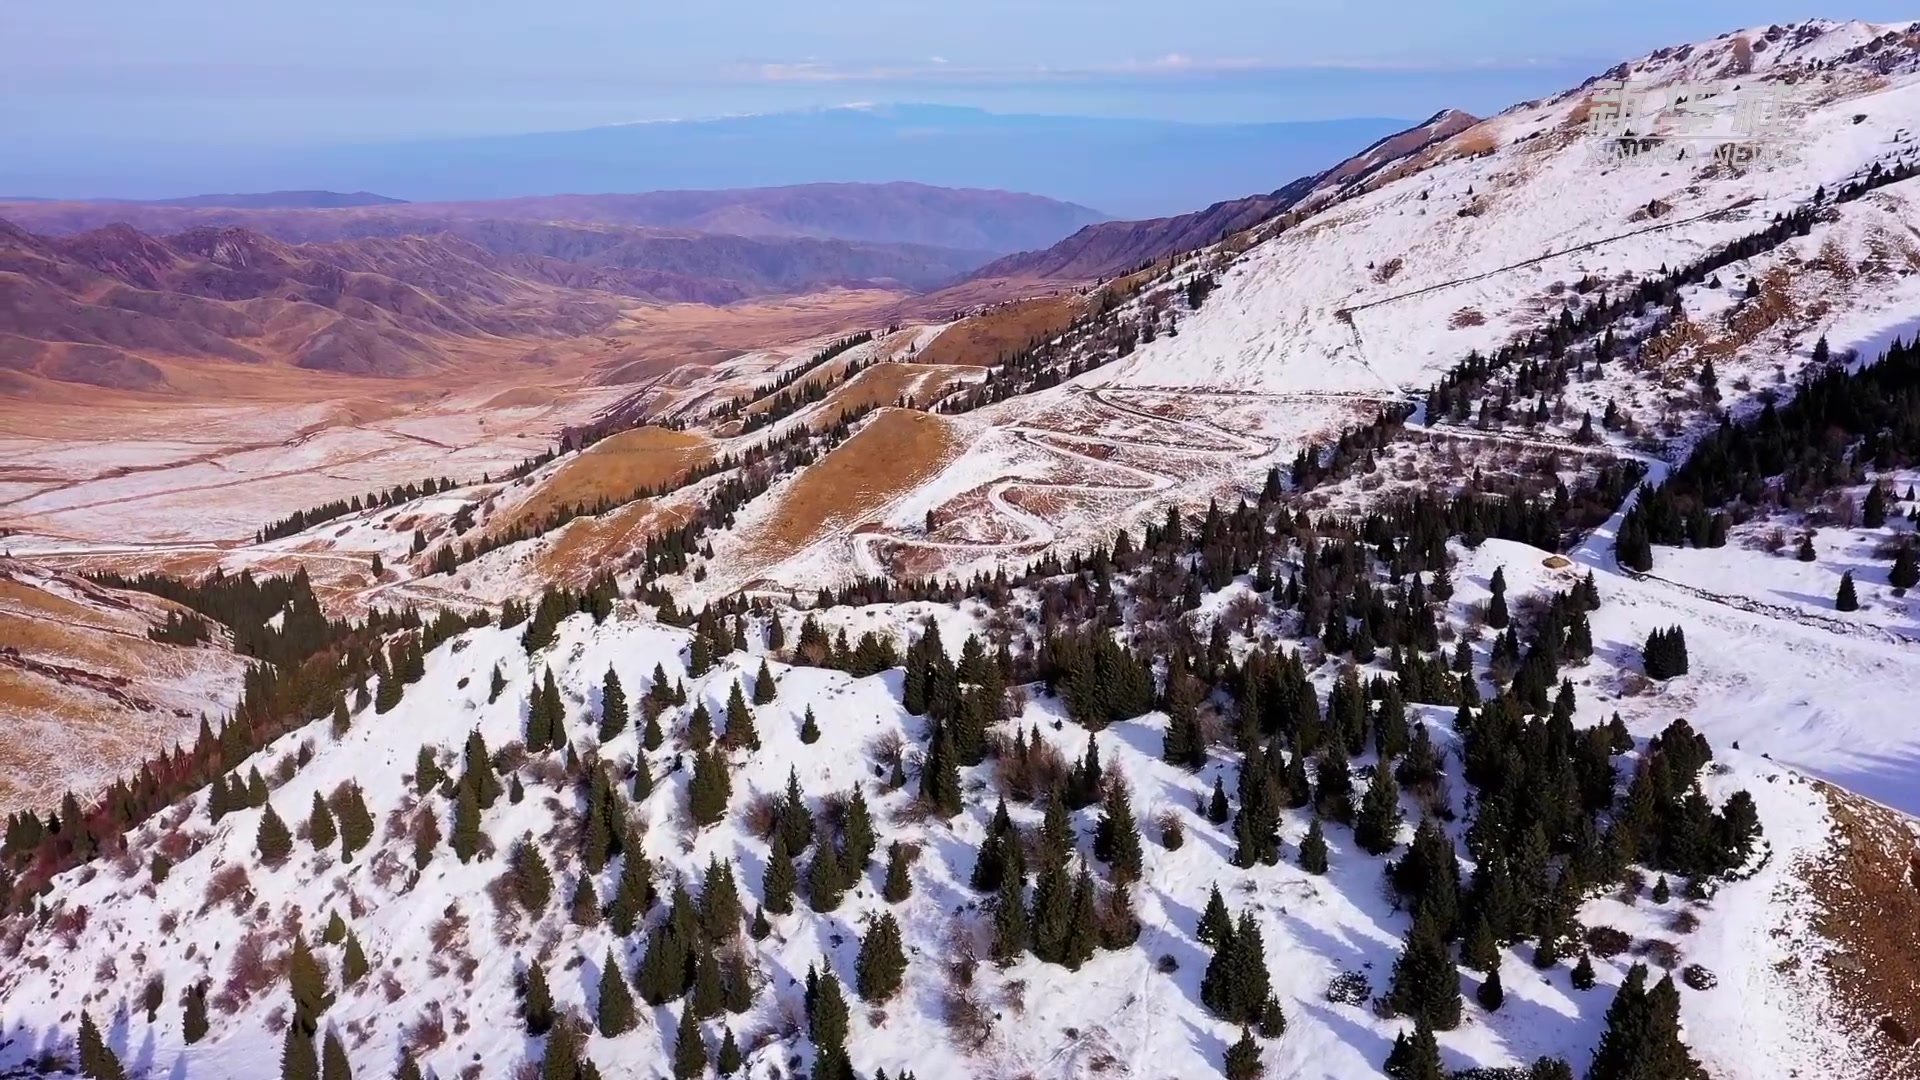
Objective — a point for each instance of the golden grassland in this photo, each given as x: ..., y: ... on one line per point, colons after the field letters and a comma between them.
x: 983, y: 340
x: 615, y: 468
x: 895, y: 453
x: 885, y: 384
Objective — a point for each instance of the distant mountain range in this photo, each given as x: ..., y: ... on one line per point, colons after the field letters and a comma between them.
x: 1129, y: 167
x: 978, y: 222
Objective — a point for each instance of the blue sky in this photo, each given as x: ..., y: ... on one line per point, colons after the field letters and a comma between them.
x: 257, y: 71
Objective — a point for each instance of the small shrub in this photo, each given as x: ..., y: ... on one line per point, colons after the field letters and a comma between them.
x: 1172, y: 833
x: 1349, y: 988
x: 1699, y: 978
x: 1605, y: 941
x: 969, y: 1023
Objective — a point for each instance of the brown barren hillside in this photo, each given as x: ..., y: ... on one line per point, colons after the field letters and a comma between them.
x: 987, y: 338
x: 895, y: 453
x: 613, y: 469
x: 85, y: 692
x: 885, y: 384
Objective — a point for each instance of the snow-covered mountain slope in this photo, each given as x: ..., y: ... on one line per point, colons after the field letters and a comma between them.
x: 1313, y: 369
x: 1372, y: 290
x: 444, y: 941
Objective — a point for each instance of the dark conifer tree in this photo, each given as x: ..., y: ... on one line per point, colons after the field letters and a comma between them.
x: 809, y: 728
x: 899, y: 882
x: 1243, y: 1059
x: 710, y: 788
x: 777, y: 884
x: 297, y: 1059
x: 1847, y: 600
x: 1216, y: 923
x: 883, y: 960
x: 763, y: 687
x: 1116, y: 839
x: 826, y: 879
x: 827, y: 1024
x: 1491, y: 994
x: 1218, y: 810
x: 1426, y: 984
x: 1313, y: 849
x: 1416, y: 1057
x: 320, y: 829
x: 1377, y: 829
x: 741, y: 733
x: 272, y: 842
x: 613, y: 706
x: 193, y: 1014
x: 333, y: 1058
x: 97, y: 1060
x: 466, y: 825
x: 689, y: 1049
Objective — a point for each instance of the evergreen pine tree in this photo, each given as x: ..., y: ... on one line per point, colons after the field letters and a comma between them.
x: 1243, y: 1059
x: 353, y: 961
x: 536, y: 1001
x: 1377, y: 828
x: 333, y: 1058
x: 297, y: 1059
x: 1217, y: 809
x: 899, y: 883
x: 466, y: 825
x: 883, y: 960
x: 1583, y: 974
x: 1313, y: 849
x: 778, y: 882
x: 1116, y: 838
x: 562, y: 1058
x: 584, y: 910
x: 615, y: 1014
x: 1905, y: 573
x: 307, y: 981
x: 1416, y: 1057
x: 700, y: 728
x: 273, y: 842
x: 320, y: 828
x: 532, y: 881
x: 708, y: 791
x: 613, y: 706
x: 827, y: 1022
x: 856, y: 836
x: 1083, y: 922
x: 97, y: 1060
x: 1010, y: 929
x: 1491, y: 994
x: 763, y: 687
x: 1847, y: 600
x: 634, y: 894
x: 1216, y: 923
x: 193, y: 1014
x: 741, y: 733
x: 809, y: 729
x: 826, y: 879
x: 1426, y: 984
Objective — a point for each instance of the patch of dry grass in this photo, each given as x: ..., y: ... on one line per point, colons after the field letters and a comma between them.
x: 982, y: 340
x: 884, y: 384
x: 615, y: 468
x: 1867, y: 885
x: 899, y: 450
